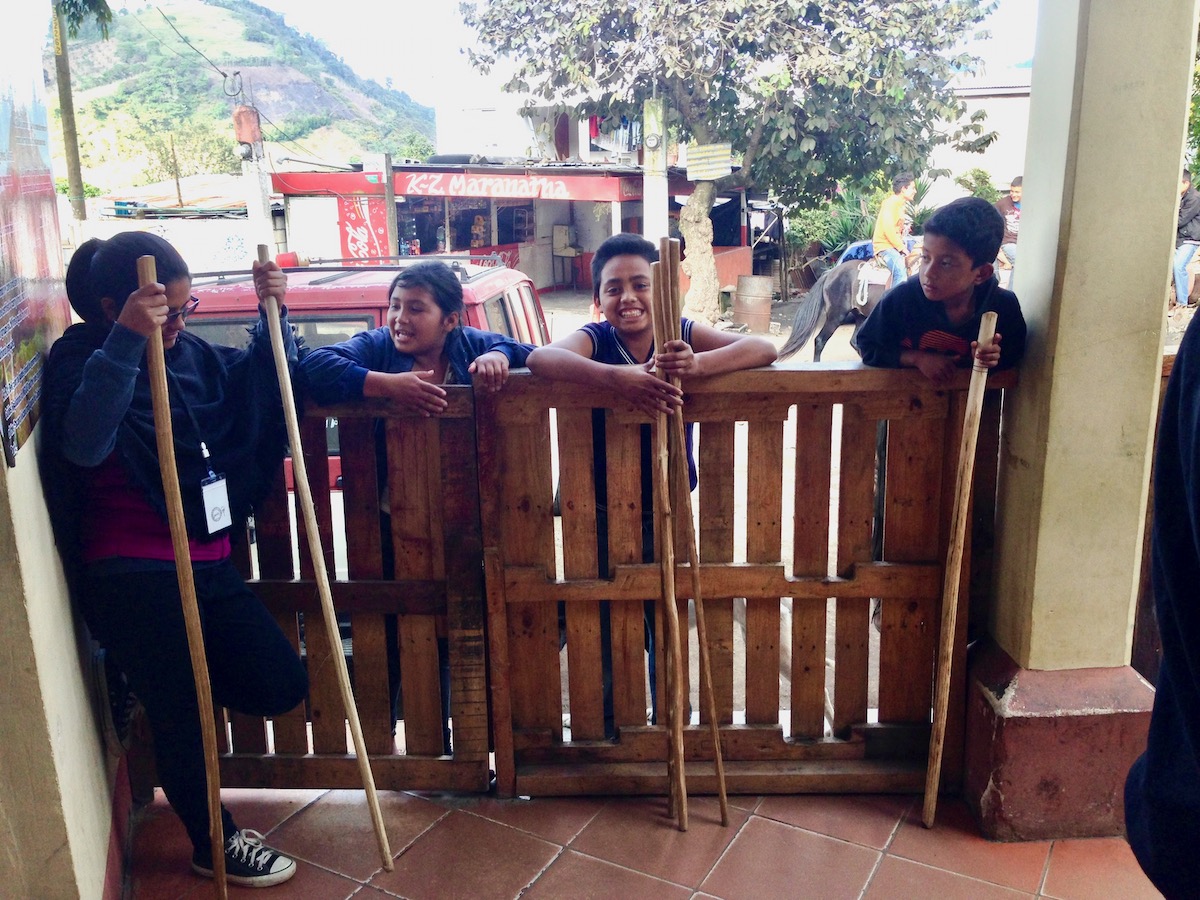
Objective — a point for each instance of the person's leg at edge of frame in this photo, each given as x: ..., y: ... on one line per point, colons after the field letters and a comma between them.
x: 895, y: 263
x: 1183, y: 256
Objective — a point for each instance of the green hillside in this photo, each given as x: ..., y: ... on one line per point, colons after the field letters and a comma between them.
x: 145, y: 101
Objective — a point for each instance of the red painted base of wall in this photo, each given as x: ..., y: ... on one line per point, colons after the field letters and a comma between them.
x: 1048, y: 751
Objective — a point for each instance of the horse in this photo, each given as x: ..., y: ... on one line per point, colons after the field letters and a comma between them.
x: 846, y: 293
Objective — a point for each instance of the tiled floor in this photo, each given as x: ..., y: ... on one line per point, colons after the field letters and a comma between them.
x: 478, y: 847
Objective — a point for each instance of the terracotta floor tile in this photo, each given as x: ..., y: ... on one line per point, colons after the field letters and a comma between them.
x: 637, y: 834
x: 901, y: 879
x: 161, y: 856
x: 956, y: 845
x: 748, y: 802
x: 574, y: 876
x: 468, y: 856
x: 556, y: 819
x: 770, y: 859
x: 870, y: 820
x: 335, y: 831
x: 309, y: 883
x: 264, y: 810
x: 1097, y: 868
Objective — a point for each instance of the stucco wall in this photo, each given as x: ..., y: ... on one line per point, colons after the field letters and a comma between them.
x: 55, y: 795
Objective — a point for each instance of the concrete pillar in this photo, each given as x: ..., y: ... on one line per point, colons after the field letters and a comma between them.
x: 655, y: 211
x: 1109, y: 105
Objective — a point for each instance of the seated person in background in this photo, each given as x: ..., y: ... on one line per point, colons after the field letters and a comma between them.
x: 931, y: 322
x: 423, y: 346
x: 618, y: 355
x: 1010, y: 208
x: 892, y: 226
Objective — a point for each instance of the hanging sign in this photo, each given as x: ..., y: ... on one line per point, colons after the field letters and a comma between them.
x: 708, y: 162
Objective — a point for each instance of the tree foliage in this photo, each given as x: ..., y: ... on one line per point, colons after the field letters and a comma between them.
x: 79, y: 12
x: 810, y: 94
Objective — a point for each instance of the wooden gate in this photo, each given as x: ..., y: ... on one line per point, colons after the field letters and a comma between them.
x: 435, y: 590
x: 787, y: 498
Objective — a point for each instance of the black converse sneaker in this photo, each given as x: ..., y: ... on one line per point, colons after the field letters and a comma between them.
x: 249, y: 862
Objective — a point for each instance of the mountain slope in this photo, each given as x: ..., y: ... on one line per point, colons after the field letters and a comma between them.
x: 147, y: 103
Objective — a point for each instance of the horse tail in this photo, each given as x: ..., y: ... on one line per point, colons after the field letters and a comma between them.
x: 808, y: 317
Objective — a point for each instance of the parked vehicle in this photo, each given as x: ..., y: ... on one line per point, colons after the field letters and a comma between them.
x: 329, y: 301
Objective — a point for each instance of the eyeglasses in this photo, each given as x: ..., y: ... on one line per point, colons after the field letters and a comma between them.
x: 184, y: 311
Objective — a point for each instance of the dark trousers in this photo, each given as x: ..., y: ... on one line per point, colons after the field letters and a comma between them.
x: 138, y: 618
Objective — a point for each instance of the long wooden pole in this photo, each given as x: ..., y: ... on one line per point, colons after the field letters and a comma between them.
x: 321, y: 574
x: 953, y: 573
x: 664, y: 528
x: 679, y: 449
x: 147, y: 272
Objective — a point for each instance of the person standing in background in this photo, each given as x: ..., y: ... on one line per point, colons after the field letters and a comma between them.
x: 892, y: 225
x: 1010, y: 208
x: 1187, y: 236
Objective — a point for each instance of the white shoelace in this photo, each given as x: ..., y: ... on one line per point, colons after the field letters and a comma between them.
x: 247, y: 844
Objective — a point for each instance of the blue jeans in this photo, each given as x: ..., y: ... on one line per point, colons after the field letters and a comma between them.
x: 1183, y: 255
x: 894, y: 260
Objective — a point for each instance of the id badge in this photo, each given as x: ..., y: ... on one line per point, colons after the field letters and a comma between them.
x: 216, y: 503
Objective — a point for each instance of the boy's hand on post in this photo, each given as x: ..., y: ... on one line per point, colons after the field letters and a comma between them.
x: 145, y: 311
x: 414, y: 391
x: 492, y: 369
x: 269, y: 281
x: 645, y: 390
x: 678, y: 359
x: 988, y: 356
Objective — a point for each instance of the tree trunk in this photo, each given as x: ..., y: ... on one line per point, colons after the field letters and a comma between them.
x: 702, y: 302
x: 66, y: 105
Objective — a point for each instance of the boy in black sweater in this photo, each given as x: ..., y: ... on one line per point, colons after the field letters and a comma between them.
x: 931, y: 320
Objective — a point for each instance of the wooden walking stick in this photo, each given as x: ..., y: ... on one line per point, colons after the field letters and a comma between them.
x: 664, y: 527
x: 147, y: 272
x: 953, y: 573
x: 321, y: 574
x: 679, y: 451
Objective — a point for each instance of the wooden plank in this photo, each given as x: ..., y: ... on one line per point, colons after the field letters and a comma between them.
x: 525, y: 535
x: 324, y: 695
x: 810, y: 554
x: 463, y: 556
x: 627, y: 617
x: 716, y: 465
x: 413, y: 455
x: 764, y: 499
x: 391, y: 773
x: 855, y: 512
x: 577, y: 492
x: 360, y: 504
x: 952, y: 754
x: 909, y: 624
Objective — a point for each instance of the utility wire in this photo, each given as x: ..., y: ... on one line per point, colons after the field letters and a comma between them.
x: 190, y: 44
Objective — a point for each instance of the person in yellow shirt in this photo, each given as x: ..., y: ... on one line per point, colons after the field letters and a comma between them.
x: 892, y: 224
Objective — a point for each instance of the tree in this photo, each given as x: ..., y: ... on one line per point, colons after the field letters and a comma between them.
x: 73, y: 14
x: 808, y: 93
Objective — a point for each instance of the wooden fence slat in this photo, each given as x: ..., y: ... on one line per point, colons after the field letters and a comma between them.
x: 364, y: 560
x: 627, y: 617
x: 855, y: 512
x: 716, y: 546
x: 577, y: 493
x: 810, y: 556
x: 764, y: 501
x: 413, y: 475
x: 908, y: 625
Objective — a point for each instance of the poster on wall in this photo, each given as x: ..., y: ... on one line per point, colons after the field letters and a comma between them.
x: 33, y: 302
x: 362, y: 222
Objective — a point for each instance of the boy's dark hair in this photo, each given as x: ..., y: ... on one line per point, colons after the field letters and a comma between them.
x: 100, y: 269
x: 973, y: 224
x: 1016, y: 182
x: 1186, y: 177
x: 620, y: 245
x: 437, y: 278
x: 901, y: 181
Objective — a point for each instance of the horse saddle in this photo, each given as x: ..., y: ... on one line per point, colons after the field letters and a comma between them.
x: 874, y: 272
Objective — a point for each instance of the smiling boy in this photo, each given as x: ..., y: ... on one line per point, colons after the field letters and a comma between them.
x: 930, y: 323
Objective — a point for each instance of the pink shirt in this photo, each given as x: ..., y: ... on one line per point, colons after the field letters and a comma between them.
x: 119, y: 521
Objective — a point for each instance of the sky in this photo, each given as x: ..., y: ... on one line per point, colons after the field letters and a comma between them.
x: 419, y: 50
